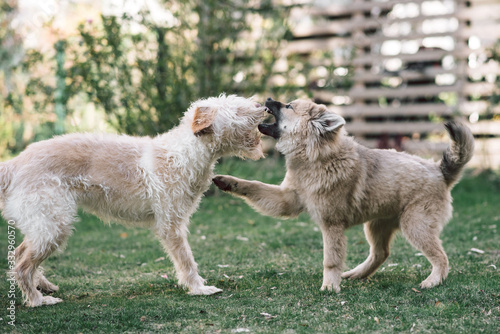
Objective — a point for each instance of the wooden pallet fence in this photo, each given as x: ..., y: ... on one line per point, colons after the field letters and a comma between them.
x: 417, y: 63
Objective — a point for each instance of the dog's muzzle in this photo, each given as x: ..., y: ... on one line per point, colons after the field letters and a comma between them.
x: 272, y: 130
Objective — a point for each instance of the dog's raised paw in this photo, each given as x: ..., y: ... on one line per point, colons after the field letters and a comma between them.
x: 223, y: 183
x: 205, y: 290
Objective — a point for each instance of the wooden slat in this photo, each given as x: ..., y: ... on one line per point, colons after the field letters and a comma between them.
x: 363, y: 128
x: 373, y: 23
x: 404, y: 110
x: 374, y: 93
x: 378, y: 39
x: 428, y: 73
x: 483, y: 13
x: 356, y: 7
x: 422, y: 109
x: 486, y: 128
x: 307, y: 46
x: 422, y: 55
x: 340, y: 27
x: 479, y: 107
x: 480, y: 88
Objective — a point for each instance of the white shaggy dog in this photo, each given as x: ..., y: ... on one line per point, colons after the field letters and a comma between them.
x: 139, y: 181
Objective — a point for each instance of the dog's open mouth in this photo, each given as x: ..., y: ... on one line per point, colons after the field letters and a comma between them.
x: 270, y: 129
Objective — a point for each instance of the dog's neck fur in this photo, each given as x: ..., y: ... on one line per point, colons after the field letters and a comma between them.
x: 335, y: 150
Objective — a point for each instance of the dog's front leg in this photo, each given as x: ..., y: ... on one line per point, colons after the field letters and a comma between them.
x: 334, y: 250
x: 270, y: 200
x: 174, y: 240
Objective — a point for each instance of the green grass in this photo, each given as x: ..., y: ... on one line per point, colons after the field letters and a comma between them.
x: 110, y: 278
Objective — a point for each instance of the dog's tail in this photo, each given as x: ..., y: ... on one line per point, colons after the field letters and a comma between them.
x: 5, y: 178
x: 459, y: 152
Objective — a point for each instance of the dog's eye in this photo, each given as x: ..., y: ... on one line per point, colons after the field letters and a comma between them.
x: 288, y: 106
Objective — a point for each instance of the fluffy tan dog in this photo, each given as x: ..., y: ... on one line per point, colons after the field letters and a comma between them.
x: 341, y: 183
x: 150, y: 182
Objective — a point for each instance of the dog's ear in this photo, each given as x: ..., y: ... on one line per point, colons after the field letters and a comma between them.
x: 326, y: 121
x: 203, y: 119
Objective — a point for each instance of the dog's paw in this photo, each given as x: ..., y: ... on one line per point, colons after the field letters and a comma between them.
x: 429, y: 283
x: 49, y: 300
x: 45, y: 300
x: 330, y: 287
x: 354, y: 274
x: 204, y: 290
x: 224, y: 183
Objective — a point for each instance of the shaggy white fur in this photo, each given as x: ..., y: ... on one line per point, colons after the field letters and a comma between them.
x: 139, y: 181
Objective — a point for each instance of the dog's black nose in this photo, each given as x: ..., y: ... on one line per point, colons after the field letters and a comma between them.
x: 269, y: 99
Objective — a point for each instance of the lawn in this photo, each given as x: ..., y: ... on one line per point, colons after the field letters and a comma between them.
x: 115, y: 279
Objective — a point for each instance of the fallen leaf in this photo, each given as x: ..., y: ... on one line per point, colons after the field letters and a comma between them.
x: 221, y: 297
x: 226, y: 276
x: 438, y: 304
x: 123, y: 235
x: 143, y: 318
x: 376, y: 320
x: 273, y: 288
x: 493, y: 266
x: 160, y: 259
x: 342, y: 303
x: 392, y: 264
x: 223, y: 265
x: 416, y: 290
x: 475, y: 250
x: 164, y: 276
x: 240, y: 330
x: 268, y: 316
x: 240, y: 238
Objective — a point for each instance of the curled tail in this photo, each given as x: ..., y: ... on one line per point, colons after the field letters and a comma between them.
x: 459, y: 152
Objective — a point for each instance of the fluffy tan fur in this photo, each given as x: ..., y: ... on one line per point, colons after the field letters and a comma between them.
x: 139, y: 181
x: 341, y: 183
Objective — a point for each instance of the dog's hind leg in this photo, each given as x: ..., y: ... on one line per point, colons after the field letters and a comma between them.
x: 43, y: 283
x: 27, y: 274
x: 46, y: 219
x: 379, y: 234
x: 422, y: 229
x: 174, y: 240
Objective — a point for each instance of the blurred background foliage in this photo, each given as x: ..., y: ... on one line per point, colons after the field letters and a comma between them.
x: 137, y: 74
